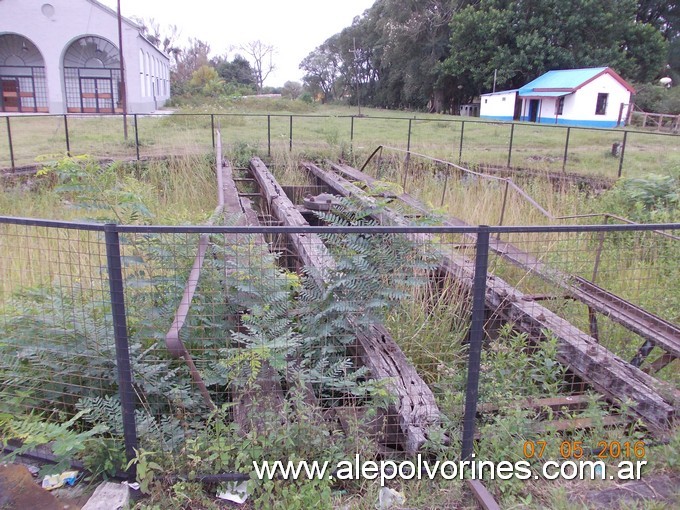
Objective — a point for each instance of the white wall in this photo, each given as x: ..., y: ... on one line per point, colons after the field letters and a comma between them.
x: 585, y: 100
x: 579, y: 107
x: 498, y: 105
x: 53, y: 30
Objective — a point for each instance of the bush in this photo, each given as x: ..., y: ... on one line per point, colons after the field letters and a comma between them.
x: 652, y: 198
x: 658, y: 99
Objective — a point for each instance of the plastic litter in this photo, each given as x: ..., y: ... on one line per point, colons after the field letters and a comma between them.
x: 389, y: 498
x: 51, y: 482
x: 236, y: 492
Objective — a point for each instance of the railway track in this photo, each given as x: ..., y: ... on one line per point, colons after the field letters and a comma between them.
x: 654, y: 330
x: 254, y: 193
x: 617, y: 379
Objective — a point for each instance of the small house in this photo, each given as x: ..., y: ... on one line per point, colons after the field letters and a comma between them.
x: 500, y: 105
x: 592, y: 97
x: 63, y: 56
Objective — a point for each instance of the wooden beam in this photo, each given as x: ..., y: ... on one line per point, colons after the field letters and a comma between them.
x: 266, y: 393
x: 556, y: 403
x: 660, y: 332
x: 655, y: 401
x: 415, y: 405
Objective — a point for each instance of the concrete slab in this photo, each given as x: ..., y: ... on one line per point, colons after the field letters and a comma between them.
x: 109, y: 496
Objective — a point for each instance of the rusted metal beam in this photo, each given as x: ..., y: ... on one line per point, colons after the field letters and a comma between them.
x: 660, y: 332
x: 172, y: 341
x: 482, y: 495
x: 655, y: 401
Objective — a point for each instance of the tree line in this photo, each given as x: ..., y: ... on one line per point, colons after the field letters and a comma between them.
x: 195, y: 73
x: 437, y: 54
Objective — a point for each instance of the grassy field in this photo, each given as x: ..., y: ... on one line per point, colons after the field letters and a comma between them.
x: 52, y: 284
x: 340, y: 132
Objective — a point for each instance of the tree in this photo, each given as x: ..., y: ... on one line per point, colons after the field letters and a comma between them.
x: 522, y: 40
x: 291, y: 89
x: 664, y: 15
x: 189, y: 60
x: 238, y: 71
x: 413, y: 38
x: 165, y: 39
x: 390, y: 55
x: 262, y: 60
x: 206, y: 81
x: 323, y: 70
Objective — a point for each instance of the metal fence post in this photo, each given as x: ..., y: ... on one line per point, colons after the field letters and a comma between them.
x: 566, y: 148
x: 68, y: 139
x: 136, y: 136
x: 512, y: 135
x: 446, y: 183
x: 408, y: 142
x: 212, y: 128
x: 351, y: 129
x: 460, y: 149
x: 290, y: 147
x: 407, y: 159
x: 269, y: 135
x: 623, y: 151
x: 123, y: 365
x: 9, y: 140
x: 476, y: 340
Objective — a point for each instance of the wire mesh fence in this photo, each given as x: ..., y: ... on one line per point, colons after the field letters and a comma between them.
x: 612, y: 152
x: 381, y: 340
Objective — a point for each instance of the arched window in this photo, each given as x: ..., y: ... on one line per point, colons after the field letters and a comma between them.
x: 141, y: 73
x: 23, y: 87
x: 148, y: 74
x: 92, y: 76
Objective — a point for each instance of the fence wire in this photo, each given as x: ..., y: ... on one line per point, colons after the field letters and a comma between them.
x: 538, y: 147
x: 348, y: 338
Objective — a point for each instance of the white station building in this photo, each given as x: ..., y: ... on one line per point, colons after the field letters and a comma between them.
x: 63, y: 56
x: 591, y: 97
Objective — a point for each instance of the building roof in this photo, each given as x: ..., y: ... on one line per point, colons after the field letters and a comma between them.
x: 114, y: 13
x: 129, y: 22
x: 567, y: 81
x: 545, y: 93
x: 499, y: 92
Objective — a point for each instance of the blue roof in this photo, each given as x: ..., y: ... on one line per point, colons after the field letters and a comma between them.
x: 552, y: 93
x: 563, y: 79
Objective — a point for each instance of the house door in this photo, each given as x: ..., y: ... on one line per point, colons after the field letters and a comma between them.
x: 517, y: 114
x: 96, y: 95
x: 534, y: 105
x: 11, y: 97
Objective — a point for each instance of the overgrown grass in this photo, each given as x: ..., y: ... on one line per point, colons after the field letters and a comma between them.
x: 430, y: 326
x: 172, y: 191
x: 338, y: 129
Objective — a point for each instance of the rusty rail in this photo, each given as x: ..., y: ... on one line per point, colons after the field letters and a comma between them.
x: 653, y: 329
x: 173, y: 342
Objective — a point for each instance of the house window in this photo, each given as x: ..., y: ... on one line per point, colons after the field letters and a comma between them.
x: 559, y: 106
x: 601, y: 106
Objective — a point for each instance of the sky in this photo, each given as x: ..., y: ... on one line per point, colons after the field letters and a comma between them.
x: 293, y: 27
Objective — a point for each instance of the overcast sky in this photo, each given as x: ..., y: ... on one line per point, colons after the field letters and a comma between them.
x: 293, y: 27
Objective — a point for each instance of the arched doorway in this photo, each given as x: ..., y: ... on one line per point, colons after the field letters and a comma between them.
x: 92, y: 76
x: 23, y: 86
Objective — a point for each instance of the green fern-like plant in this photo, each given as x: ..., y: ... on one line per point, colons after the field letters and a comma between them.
x: 65, y: 442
